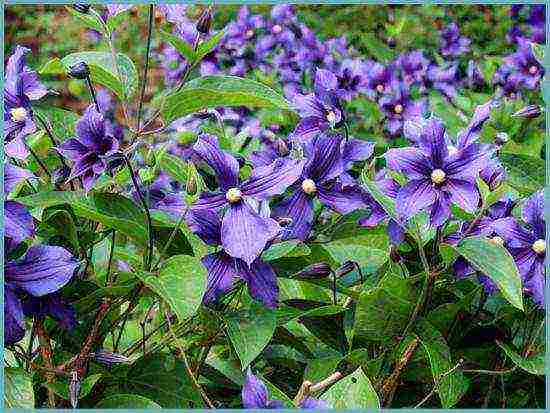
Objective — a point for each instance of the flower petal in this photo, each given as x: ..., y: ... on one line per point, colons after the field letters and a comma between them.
x: 341, y: 199
x: 245, y: 233
x: 273, y: 179
x: 440, y: 210
x: 206, y: 224
x: 514, y: 235
x: 254, y: 393
x: 462, y: 193
x: 18, y: 222
x: 222, y: 270
x: 90, y: 129
x: 414, y: 197
x: 324, y: 158
x: 225, y: 166
x: 13, y: 175
x: 308, y: 105
x: 42, y: 270
x: 467, y: 162
x: 14, y: 321
x: 411, y: 161
x: 210, y: 200
x: 308, y: 127
x: 356, y: 150
x: 299, y: 208
x: 262, y: 283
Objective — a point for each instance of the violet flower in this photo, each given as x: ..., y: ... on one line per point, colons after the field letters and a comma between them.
x: 379, y: 80
x: 223, y: 269
x: 90, y: 148
x: 452, y: 43
x: 444, y: 78
x: 413, y: 66
x: 527, y: 244
x: 527, y: 71
x: 324, y: 164
x: 21, y: 87
x: 351, y: 78
x: 436, y: 177
x: 243, y: 30
x: 320, y: 110
x: 244, y: 233
x: 256, y: 396
x: 398, y: 107
x: 52, y: 305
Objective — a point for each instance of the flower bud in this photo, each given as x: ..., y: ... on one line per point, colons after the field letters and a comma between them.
x: 74, y: 389
x: 81, y: 7
x: 528, y: 112
x: 501, y: 138
x: 191, y: 185
x: 108, y: 357
x: 205, y: 21
x: 315, y: 271
x: 79, y: 70
x: 345, y: 269
x: 60, y: 175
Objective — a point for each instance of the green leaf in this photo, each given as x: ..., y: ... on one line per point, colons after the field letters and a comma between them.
x: 181, y: 283
x: 290, y: 248
x: 163, y: 379
x: 61, y: 121
x: 112, y: 210
x: 250, y: 331
x: 91, y: 20
x: 538, y: 52
x: 377, y: 48
x: 496, y: 263
x: 52, y: 67
x: 215, y: 91
x: 103, y: 71
x: 450, y: 386
x: 180, y: 45
x: 18, y: 391
x: 352, y: 392
x: 209, y: 45
x: 127, y: 401
x: 533, y: 364
x: 369, y: 259
x: 62, y: 389
x: 525, y: 173
x: 174, y: 166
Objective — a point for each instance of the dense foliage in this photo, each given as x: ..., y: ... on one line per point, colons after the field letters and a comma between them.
x: 278, y: 207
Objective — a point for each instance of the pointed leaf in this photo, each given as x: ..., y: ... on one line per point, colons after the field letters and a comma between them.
x: 352, y: 392
x: 18, y: 390
x: 533, y: 364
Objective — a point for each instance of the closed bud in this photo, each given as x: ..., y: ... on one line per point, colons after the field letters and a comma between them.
x: 79, y: 70
x: 191, y: 185
x: 81, y: 8
x: 74, y: 389
x: 108, y: 357
x: 345, y: 269
x: 315, y: 271
x: 528, y: 112
x: 205, y: 21
x: 501, y: 138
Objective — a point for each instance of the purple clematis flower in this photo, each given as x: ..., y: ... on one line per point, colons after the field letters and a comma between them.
x: 42, y: 270
x: 244, y: 232
x: 223, y: 269
x: 398, y: 107
x: 436, y: 177
x: 325, y: 163
x: 444, y: 78
x: 52, y: 305
x: 379, y: 80
x: 21, y: 87
x: 320, y: 110
x: 256, y: 396
x: 351, y: 78
x: 174, y: 13
x: 90, y: 149
x: 452, y: 43
x: 413, y: 66
x: 244, y: 29
x: 527, y: 244
x: 526, y: 70
x: 13, y: 176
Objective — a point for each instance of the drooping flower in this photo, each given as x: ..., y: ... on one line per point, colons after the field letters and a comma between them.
x: 21, y: 86
x: 325, y: 164
x: 527, y: 244
x: 320, y: 110
x: 244, y: 232
x: 223, y: 269
x: 436, y: 177
x: 452, y: 43
x: 256, y: 396
x: 90, y: 148
x: 42, y: 270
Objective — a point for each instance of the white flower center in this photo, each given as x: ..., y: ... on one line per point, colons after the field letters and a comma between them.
x: 533, y: 70
x: 233, y: 195
x: 249, y: 33
x: 18, y: 114
x: 497, y: 240
x: 308, y: 186
x: 277, y: 29
x: 331, y: 117
x: 380, y: 88
x: 398, y: 108
x: 438, y: 176
x: 539, y: 246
